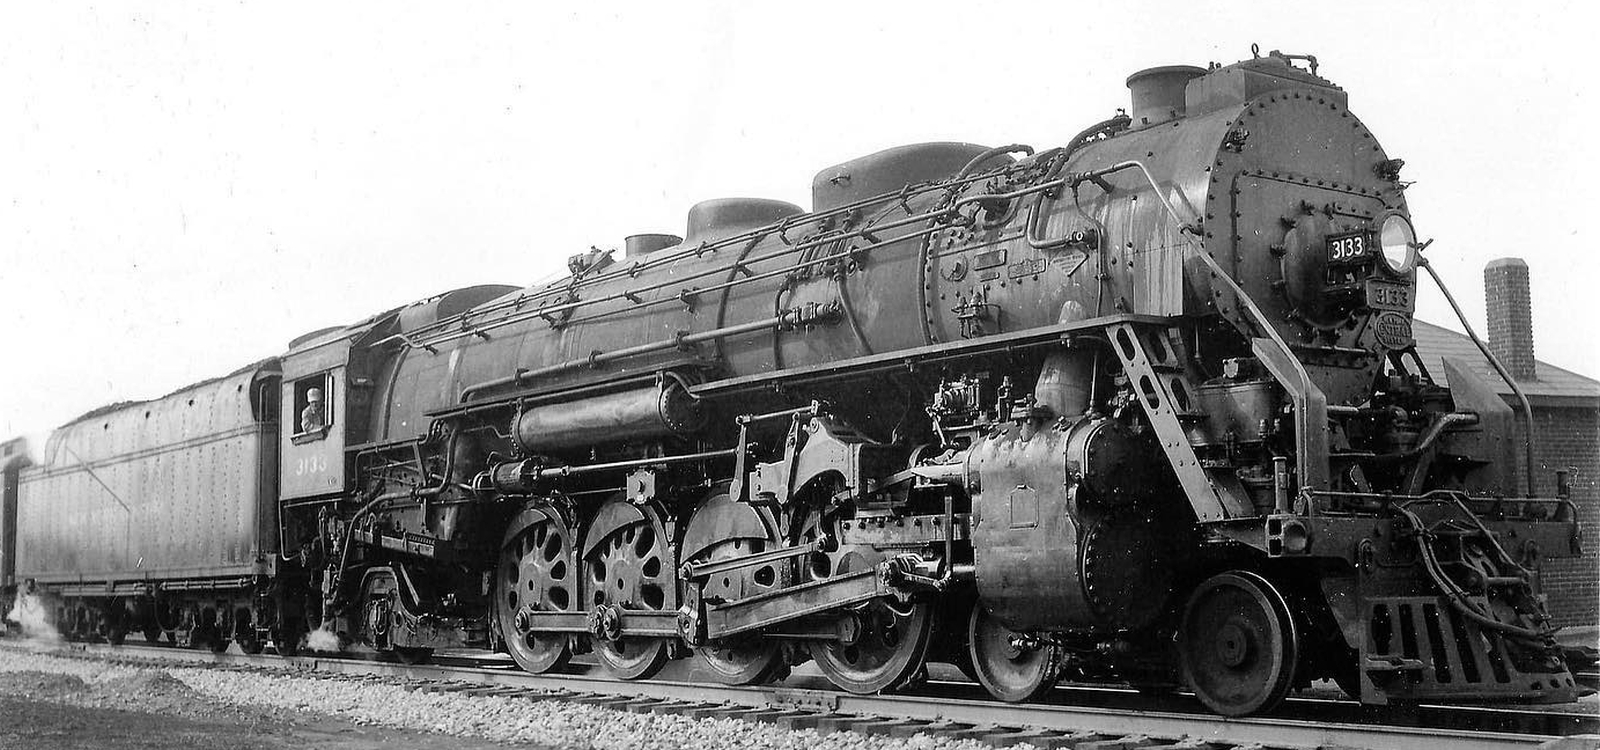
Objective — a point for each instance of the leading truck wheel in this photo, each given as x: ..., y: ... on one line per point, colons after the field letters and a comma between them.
x: 1238, y: 644
x: 1010, y: 666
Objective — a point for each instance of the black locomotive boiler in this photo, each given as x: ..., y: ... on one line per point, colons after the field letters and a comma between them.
x: 1145, y: 407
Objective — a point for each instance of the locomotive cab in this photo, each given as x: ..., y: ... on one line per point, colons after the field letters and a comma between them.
x: 317, y: 382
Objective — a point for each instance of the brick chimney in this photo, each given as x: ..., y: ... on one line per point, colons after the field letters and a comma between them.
x: 1505, y: 285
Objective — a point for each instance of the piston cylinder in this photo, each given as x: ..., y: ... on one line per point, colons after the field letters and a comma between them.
x: 1058, y: 542
x: 643, y: 413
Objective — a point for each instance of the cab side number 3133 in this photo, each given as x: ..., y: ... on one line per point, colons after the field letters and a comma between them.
x: 310, y: 465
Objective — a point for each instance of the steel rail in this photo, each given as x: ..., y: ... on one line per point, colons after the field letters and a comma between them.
x: 1112, y: 721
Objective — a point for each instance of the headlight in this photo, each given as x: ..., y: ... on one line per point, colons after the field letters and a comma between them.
x: 1399, y: 244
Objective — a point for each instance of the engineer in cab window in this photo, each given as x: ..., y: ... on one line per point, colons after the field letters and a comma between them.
x: 312, y: 418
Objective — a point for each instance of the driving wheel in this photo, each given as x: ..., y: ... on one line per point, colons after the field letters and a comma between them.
x: 723, y: 529
x: 113, y: 623
x: 1238, y: 644
x: 628, y: 566
x: 888, y: 639
x: 1010, y: 666
x: 535, y: 575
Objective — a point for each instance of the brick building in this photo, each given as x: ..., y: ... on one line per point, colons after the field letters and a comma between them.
x: 1566, y: 412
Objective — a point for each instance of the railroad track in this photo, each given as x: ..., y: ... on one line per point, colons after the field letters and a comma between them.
x: 1076, y: 716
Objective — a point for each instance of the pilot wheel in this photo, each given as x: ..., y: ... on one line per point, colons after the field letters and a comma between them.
x: 1238, y: 644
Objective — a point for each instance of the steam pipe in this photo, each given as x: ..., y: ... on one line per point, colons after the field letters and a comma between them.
x: 657, y: 259
x: 631, y: 294
x: 566, y: 471
x: 1108, y: 126
x: 598, y: 357
x: 344, y: 551
x: 990, y: 154
x: 547, y: 311
x: 1437, y: 430
x: 1459, y: 599
x: 1522, y: 398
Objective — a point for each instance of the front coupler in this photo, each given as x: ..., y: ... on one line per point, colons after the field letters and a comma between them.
x: 1441, y: 599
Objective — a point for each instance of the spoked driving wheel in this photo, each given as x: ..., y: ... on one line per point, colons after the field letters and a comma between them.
x: 887, y: 640
x: 535, y: 575
x: 723, y: 529
x: 628, y: 566
x: 887, y: 651
x: 1009, y: 665
x: 1238, y: 644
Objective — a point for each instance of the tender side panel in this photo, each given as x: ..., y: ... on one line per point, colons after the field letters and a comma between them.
x: 161, y: 489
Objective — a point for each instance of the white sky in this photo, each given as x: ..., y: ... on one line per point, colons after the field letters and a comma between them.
x: 185, y: 187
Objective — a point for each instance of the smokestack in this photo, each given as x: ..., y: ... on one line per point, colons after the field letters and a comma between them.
x: 1158, y: 93
x: 1510, y: 308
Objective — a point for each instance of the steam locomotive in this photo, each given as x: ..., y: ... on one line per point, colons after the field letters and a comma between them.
x: 1143, y: 407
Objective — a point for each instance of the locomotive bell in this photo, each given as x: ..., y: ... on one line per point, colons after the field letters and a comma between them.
x: 1158, y: 93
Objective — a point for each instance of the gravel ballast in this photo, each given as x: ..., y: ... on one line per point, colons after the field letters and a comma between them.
x: 545, y: 723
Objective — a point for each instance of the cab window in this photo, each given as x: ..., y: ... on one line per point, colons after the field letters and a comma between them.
x: 313, y: 406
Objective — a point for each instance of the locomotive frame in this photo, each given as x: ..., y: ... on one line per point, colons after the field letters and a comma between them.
x: 1143, y: 407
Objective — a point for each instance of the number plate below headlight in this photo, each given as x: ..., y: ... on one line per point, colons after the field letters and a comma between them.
x: 1387, y: 295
